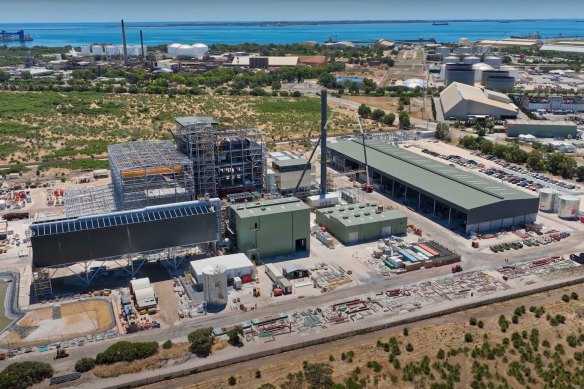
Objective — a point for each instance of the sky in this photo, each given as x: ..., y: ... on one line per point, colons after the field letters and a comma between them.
x: 62, y: 11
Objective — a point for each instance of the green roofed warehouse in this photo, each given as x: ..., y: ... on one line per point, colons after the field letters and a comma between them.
x: 455, y: 198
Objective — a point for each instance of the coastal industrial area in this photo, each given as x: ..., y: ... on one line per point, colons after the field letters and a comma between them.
x: 292, y: 216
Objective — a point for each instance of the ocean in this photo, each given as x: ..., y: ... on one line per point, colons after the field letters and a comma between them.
x: 76, y: 34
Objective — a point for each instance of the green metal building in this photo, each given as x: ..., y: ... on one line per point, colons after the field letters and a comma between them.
x: 270, y: 228
x: 541, y: 128
x: 356, y: 223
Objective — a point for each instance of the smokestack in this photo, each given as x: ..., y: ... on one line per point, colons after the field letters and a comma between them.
x: 142, y: 46
x: 124, y: 42
x: 323, y: 109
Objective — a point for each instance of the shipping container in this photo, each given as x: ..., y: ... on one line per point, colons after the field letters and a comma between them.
x: 429, y: 249
x: 422, y: 251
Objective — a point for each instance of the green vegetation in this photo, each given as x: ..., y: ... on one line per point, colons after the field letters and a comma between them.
x: 374, y: 365
x: 258, y: 374
x: 234, y: 335
x: 84, y: 364
x: 21, y: 375
x: 14, y: 55
x: 318, y: 375
x: 404, y: 119
x: 409, y: 347
x: 442, y: 132
x: 406, y: 331
x: 201, y: 341
x: 126, y: 352
x: 167, y: 345
x: 232, y: 380
x: 468, y: 338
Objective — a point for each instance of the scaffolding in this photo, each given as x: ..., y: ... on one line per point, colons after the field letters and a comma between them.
x: 89, y: 201
x: 224, y: 161
x: 147, y: 173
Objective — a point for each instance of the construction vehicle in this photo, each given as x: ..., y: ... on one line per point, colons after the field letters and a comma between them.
x: 367, y: 187
x: 256, y: 292
x: 61, y: 353
x: 456, y: 269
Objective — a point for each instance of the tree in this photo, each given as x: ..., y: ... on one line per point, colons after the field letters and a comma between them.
x: 404, y: 119
x: 442, y: 132
x: 84, y: 364
x: 126, y: 352
x: 276, y: 85
x: 486, y: 146
x: 233, y: 335
x: 21, y: 375
x: 167, y: 345
x: 4, y: 76
x: 232, y: 381
x: 318, y: 375
x: 296, y: 94
x: 535, y: 160
x: 201, y: 340
x: 389, y: 119
x: 327, y: 80
x: 364, y: 111
x: 377, y: 114
x: 580, y: 173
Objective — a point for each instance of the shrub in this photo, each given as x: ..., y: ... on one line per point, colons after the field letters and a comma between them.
x: 258, y: 374
x: 481, y: 324
x: 201, y: 340
x: 468, y: 337
x: 565, y: 298
x: 166, y: 345
x: 409, y: 347
x: 84, y: 364
x: 472, y: 321
x: 374, y: 365
x: 441, y: 354
x: 331, y: 358
x: 406, y: 331
x: 233, y: 335
x: 574, y: 296
x: 126, y: 352
x: 232, y: 380
x: 21, y: 375
x: 515, y: 319
x: 318, y: 375
x: 396, y: 364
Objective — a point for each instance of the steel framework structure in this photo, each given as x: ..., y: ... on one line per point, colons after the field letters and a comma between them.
x: 146, y: 173
x: 89, y: 201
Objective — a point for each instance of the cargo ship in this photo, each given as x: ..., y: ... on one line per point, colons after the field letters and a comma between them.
x: 18, y: 36
x: 440, y: 24
x: 534, y: 35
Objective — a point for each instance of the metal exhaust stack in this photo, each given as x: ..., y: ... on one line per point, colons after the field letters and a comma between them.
x: 124, y: 42
x: 142, y: 46
x: 323, y: 119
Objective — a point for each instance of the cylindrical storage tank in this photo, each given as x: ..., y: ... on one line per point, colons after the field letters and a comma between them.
x: 97, y: 50
x: 463, y: 41
x: 442, y: 50
x: 471, y: 60
x: 133, y: 51
x: 462, y: 73
x: 85, y: 50
x: 215, y: 285
x: 479, y: 69
x: 464, y: 50
x: 548, y: 198
x: 271, y: 181
x: 172, y: 49
x: 513, y: 72
x: 112, y: 50
x: 494, y: 61
x: 568, y: 207
x: 500, y: 83
x: 451, y: 59
x: 483, y: 49
x: 199, y: 50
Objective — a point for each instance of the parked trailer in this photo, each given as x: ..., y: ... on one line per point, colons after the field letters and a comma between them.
x: 276, y: 276
x: 422, y: 251
x: 429, y: 249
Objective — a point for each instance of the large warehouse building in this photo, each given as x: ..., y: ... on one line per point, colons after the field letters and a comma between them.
x: 460, y: 101
x: 541, y: 128
x: 458, y: 199
x: 356, y: 223
x: 270, y: 228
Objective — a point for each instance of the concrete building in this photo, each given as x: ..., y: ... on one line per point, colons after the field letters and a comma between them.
x: 552, y: 103
x: 541, y: 128
x: 270, y: 228
x: 356, y: 223
x: 288, y: 173
x: 460, y: 101
x: 458, y: 199
x: 143, y: 293
x: 234, y: 265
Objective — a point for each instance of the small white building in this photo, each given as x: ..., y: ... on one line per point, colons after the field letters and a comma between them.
x: 145, y: 298
x: 140, y: 283
x: 235, y: 265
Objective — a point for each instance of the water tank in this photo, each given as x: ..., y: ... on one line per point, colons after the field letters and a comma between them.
x: 271, y: 181
x: 171, y: 50
x: 200, y: 49
x: 513, y: 72
x: 215, y: 285
x: 548, y: 200
x: 494, y: 61
x: 471, y: 59
x: 486, y: 73
x: 463, y: 73
x: 97, y: 50
x: 443, y: 50
x: 483, y: 49
x: 85, y: 50
x: 568, y: 206
x: 451, y: 59
x: 112, y: 50
x: 500, y: 83
x: 133, y: 51
x: 464, y: 50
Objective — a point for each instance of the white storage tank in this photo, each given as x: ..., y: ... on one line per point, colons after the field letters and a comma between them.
x: 471, y: 59
x: 215, y: 285
x: 443, y: 50
x: 2, y: 204
x: 494, y: 61
x: 464, y: 50
x: 199, y: 50
x: 97, y: 50
x: 513, y: 72
x: 85, y: 50
x: 568, y: 207
x: 172, y: 49
x: 451, y: 59
x: 271, y: 181
x: 112, y: 50
x: 548, y: 200
x: 133, y: 51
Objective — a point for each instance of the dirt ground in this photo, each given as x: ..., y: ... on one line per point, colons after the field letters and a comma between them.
x: 78, y: 318
x: 416, y: 107
x: 426, y: 341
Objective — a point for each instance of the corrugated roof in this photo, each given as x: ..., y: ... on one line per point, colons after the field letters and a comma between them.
x: 266, y: 207
x: 228, y: 262
x: 563, y: 48
x: 456, y: 92
x: 290, y: 162
x: 561, y: 123
x: 192, y: 120
x: 359, y: 214
x: 145, y: 297
x: 449, y: 184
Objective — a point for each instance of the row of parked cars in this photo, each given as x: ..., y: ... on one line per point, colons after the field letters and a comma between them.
x: 456, y: 159
x: 511, y: 178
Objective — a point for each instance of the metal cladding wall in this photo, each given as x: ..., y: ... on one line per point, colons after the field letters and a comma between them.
x: 77, y: 246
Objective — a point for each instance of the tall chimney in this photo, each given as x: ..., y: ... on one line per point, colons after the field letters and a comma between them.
x: 323, y: 118
x: 142, y: 46
x: 124, y: 42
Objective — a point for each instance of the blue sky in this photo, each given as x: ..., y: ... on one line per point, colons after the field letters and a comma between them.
x: 22, y: 11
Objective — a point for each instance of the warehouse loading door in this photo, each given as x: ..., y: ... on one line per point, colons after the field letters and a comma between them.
x: 353, y: 237
x: 386, y: 231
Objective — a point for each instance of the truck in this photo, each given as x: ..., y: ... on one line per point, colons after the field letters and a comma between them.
x: 279, y: 280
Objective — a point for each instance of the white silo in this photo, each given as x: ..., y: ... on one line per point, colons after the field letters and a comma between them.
x: 200, y: 49
x: 548, y: 200
x: 133, y: 51
x: 97, y: 50
x: 112, y: 50
x: 568, y: 207
x: 171, y: 50
x: 494, y: 61
x: 471, y: 60
x: 215, y: 285
x: 85, y: 51
x: 464, y: 50
x: 451, y: 59
x: 271, y: 181
x: 513, y: 72
x: 443, y: 50
x: 479, y: 69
